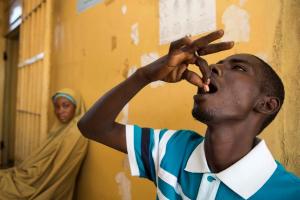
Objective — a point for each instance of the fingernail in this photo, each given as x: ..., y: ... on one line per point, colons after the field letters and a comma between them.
x: 206, y: 88
x: 221, y: 31
x: 208, y: 81
x: 231, y: 43
x: 197, y: 54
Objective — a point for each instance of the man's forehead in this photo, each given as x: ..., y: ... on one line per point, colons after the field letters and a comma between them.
x: 245, y: 58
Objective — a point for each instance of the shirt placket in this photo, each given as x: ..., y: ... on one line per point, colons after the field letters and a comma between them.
x: 208, y: 187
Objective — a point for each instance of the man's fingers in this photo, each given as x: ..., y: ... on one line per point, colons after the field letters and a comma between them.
x: 179, y: 58
x: 179, y: 43
x: 205, y: 70
x: 213, y: 48
x: 182, y: 68
x: 193, y: 78
x: 205, y: 40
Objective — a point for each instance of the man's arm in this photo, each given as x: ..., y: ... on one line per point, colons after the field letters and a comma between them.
x: 99, y: 122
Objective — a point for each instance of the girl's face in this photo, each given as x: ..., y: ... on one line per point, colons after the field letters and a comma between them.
x: 64, y: 110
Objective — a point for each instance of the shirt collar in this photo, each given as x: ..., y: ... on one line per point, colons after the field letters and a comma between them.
x: 246, y: 176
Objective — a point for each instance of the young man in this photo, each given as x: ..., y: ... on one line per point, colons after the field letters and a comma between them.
x: 237, y: 98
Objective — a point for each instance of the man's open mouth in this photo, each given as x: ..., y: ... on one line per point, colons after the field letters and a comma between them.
x: 212, y: 88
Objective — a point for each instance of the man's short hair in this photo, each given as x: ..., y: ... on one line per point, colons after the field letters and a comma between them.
x: 271, y: 85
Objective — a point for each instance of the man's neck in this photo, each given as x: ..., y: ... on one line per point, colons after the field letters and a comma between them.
x: 226, y: 144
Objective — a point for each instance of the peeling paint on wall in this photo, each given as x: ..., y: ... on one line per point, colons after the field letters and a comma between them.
x: 125, y: 114
x: 124, y: 185
x: 242, y: 2
x: 113, y: 42
x: 108, y: 2
x: 157, y: 84
x: 135, y: 34
x: 124, y: 9
x: 58, y: 33
x: 236, y: 24
x: 85, y: 4
x: 126, y: 162
x: 180, y: 18
x: 148, y: 58
x: 126, y: 68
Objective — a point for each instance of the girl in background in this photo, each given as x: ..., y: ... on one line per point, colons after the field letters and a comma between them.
x: 50, y: 171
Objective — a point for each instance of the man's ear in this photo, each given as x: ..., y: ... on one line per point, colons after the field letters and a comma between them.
x: 267, y: 105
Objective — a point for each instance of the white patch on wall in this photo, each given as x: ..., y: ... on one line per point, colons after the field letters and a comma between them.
x: 58, y: 33
x: 124, y: 9
x: 148, y: 58
x: 242, y: 2
x: 126, y: 165
x: 125, y: 114
x: 236, y: 24
x: 157, y: 84
x: 124, y: 186
x: 85, y: 4
x: 263, y: 56
x: 178, y: 18
x: 135, y: 34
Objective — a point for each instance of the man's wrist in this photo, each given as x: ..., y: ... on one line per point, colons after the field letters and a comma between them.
x: 142, y: 77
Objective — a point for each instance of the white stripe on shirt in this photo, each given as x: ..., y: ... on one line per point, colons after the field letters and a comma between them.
x: 155, y: 154
x: 163, y: 144
x: 131, y: 151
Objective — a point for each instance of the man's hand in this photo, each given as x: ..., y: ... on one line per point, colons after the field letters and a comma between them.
x: 173, y: 67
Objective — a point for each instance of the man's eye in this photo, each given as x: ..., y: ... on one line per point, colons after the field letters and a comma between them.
x: 240, y: 68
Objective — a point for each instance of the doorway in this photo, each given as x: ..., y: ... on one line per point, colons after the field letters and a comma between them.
x: 9, y: 99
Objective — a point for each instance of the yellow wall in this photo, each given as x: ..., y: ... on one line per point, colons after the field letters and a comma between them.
x: 84, y: 58
x: 287, y: 49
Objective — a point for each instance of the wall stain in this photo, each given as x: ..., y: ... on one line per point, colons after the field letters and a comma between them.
x: 108, y: 2
x: 113, y: 43
x: 125, y: 69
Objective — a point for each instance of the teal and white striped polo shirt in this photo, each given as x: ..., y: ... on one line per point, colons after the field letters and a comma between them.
x: 175, y: 162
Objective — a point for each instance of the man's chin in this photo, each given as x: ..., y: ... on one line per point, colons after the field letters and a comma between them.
x: 204, y: 116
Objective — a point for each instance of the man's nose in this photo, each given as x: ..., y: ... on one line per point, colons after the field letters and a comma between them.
x: 216, y: 69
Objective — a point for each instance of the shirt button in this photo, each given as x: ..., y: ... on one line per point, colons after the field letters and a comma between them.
x: 210, y: 178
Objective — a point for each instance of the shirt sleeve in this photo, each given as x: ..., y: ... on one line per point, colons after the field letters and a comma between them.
x: 150, y: 150
x: 143, y: 151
